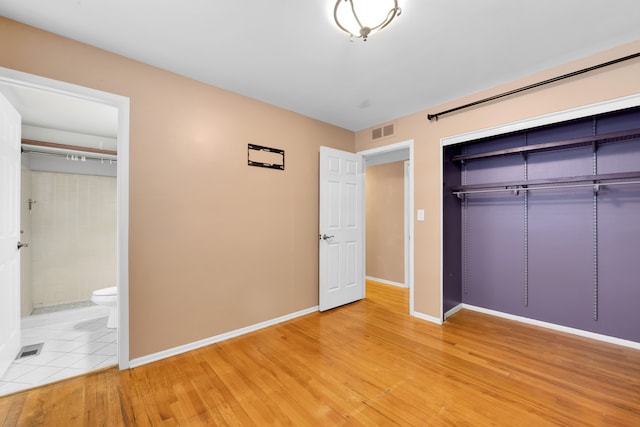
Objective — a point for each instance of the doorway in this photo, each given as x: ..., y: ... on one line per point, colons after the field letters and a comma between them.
x: 38, y: 85
x: 401, y: 153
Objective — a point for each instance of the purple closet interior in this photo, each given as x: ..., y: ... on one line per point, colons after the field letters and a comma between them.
x: 548, y: 244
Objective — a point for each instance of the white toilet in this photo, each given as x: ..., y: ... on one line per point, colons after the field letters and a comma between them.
x: 109, y: 298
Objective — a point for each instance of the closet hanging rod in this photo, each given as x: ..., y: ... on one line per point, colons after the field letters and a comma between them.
x: 581, y: 179
x: 517, y: 189
x: 435, y: 116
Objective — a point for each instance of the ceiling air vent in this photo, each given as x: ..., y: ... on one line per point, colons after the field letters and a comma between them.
x: 383, y: 131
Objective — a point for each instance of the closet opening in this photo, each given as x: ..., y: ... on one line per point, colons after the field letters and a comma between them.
x: 541, y: 223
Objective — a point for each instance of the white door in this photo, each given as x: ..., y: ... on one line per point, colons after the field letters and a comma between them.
x: 341, y: 236
x: 9, y: 233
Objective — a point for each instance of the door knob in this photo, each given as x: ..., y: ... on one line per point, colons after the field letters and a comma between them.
x: 22, y: 245
x: 325, y: 237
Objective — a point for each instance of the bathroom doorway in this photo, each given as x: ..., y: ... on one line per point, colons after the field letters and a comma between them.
x: 71, y: 172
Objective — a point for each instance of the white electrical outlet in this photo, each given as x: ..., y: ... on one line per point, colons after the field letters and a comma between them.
x: 420, y: 214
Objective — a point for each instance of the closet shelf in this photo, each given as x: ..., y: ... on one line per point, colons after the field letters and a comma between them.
x: 555, y: 145
x: 622, y: 178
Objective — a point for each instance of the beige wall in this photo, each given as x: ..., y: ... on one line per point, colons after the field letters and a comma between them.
x: 73, y: 243
x: 605, y: 84
x: 385, y: 221
x: 214, y: 245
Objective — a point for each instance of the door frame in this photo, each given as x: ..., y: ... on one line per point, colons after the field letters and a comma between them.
x: 391, y: 149
x: 19, y: 78
x: 407, y: 221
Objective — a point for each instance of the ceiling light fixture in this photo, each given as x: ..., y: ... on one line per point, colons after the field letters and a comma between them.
x: 372, y: 16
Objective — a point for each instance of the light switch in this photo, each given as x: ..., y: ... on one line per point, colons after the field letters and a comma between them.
x: 420, y: 214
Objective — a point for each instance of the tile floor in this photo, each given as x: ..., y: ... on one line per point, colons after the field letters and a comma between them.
x: 75, y: 342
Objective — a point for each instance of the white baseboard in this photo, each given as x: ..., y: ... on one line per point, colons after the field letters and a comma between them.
x: 555, y: 327
x: 218, y: 338
x: 386, y: 282
x: 452, y: 311
x: 426, y: 317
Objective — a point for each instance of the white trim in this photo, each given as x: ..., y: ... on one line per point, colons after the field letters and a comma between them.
x: 407, y: 222
x: 122, y: 181
x: 452, y: 311
x: 555, y: 327
x: 426, y: 317
x: 386, y: 282
x: 412, y: 244
x: 218, y: 338
x: 387, y: 148
x: 441, y: 200
x: 546, y: 119
x: 19, y: 78
x: 393, y: 147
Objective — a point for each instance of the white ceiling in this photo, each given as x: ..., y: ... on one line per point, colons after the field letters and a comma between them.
x: 54, y: 117
x: 289, y: 53
x: 50, y: 110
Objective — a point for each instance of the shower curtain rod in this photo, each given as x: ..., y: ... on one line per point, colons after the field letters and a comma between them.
x: 517, y: 189
x: 34, y: 145
x: 75, y: 157
x: 435, y: 116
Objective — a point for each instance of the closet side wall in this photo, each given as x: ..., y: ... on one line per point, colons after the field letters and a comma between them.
x: 452, y: 243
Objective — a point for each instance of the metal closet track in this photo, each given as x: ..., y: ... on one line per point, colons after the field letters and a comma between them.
x: 595, y: 181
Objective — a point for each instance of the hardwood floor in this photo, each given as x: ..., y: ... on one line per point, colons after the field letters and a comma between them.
x: 365, y: 364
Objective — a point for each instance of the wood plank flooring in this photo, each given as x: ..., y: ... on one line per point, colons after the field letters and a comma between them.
x: 365, y: 364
